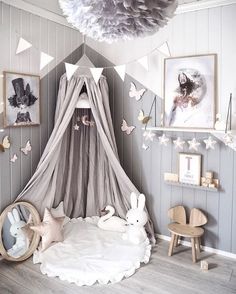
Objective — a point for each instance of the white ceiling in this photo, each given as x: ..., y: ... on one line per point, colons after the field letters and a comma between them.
x: 53, y: 6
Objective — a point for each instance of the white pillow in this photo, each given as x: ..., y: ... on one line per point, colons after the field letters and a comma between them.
x: 59, y: 212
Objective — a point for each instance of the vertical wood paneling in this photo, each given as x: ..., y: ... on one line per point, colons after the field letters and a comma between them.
x: 206, y: 31
x: 34, y: 65
x: 44, y: 85
x: 128, y: 116
x: 51, y: 76
x: 5, y: 64
x: 15, y: 133
x: 201, y: 32
x: 25, y: 131
x: 48, y: 37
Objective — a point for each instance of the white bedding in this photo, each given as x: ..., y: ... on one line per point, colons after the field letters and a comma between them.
x: 89, y: 255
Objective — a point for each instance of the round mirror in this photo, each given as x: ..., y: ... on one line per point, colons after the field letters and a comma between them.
x: 17, y: 240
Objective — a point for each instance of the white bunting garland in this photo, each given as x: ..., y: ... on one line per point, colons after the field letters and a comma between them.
x: 22, y: 45
x: 96, y: 73
x: 144, y: 62
x: 121, y: 69
x: 45, y: 59
x: 70, y: 70
x: 164, y: 49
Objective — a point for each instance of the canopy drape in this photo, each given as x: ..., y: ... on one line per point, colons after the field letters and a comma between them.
x: 81, y: 167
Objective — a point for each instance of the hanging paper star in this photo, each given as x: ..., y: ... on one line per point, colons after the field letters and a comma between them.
x: 145, y: 147
x: 163, y: 140
x: 76, y: 127
x: 194, y: 144
x: 228, y: 139
x: 149, y: 135
x: 210, y: 143
x: 179, y: 143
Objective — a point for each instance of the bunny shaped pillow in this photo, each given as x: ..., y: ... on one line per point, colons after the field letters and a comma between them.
x: 22, y: 242
x: 136, y: 219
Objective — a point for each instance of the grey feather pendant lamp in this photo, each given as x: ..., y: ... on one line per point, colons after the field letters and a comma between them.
x: 113, y: 20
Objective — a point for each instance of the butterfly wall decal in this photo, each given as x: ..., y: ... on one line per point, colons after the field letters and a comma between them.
x: 14, y: 158
x: 145, y: 147
x: 27, y: 148
x: 143, y: 118
x: 5, y: 144
x: 127, y: 129
x: 134, y: 93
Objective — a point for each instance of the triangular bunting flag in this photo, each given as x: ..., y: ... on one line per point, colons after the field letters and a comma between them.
x: 144, y: 62
x: 164, y: 49
x: 70, y: 70
x: 96, y: 73
x: 45, y: 59
x: 120, y: 69
x: 23, y: 45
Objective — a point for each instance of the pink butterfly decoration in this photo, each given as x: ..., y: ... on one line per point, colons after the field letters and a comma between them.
x: 125, y: 128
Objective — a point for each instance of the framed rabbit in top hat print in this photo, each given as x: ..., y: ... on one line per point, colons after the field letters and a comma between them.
x: 22, y: 99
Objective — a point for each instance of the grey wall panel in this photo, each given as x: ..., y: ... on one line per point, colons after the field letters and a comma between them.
x: 50, y: 38
x: 147, y: 168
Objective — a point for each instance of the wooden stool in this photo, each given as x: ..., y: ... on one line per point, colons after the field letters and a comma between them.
x: 181, y: 229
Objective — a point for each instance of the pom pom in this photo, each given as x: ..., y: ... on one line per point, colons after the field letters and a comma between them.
x: 113, y: 20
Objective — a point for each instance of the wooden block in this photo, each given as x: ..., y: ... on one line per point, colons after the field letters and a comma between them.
x: 209, y: 175
x: 212, y: 185
x: 204, y: 265
x: 171, y: 177
x: 216, y: 182
x: 208, y: 181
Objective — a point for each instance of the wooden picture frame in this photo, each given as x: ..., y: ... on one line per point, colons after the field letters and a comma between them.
x: 190, y: 84
x: 21, y: 99
x: 190, y: 168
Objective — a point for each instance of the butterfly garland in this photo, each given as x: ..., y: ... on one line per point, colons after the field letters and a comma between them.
x: 27, y: 148
x: 134, y: 93
x: 127, y: 129
x: 14, y: 158
x: 144, y: 119
x: 5, y: 144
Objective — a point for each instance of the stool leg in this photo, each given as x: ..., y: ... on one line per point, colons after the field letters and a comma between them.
x: 176, y: 240
x: 193, y: 250
x: 199, y: 242
x: 197, y: 245
x: 171, y: 244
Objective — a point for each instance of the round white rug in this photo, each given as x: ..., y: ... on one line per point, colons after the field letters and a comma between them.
x: 89, y: 255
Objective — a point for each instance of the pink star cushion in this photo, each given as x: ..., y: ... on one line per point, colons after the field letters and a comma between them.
x: 50, y: 229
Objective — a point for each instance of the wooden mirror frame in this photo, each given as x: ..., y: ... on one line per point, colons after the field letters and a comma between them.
x: 36, y: 237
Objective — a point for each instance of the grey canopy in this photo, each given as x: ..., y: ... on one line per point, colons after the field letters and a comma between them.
x: 81, y: 167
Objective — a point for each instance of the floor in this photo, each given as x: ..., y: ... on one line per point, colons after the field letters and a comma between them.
x: 163, y: 274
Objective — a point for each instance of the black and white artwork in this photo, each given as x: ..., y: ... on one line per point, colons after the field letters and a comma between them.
x: 190, y: 84
x: 22, y: 101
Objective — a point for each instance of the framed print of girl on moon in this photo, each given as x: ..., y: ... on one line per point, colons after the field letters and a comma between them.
x: 190, y: 90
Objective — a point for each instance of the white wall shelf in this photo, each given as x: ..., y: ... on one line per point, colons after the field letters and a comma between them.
x: 178, y: 184
x: 163, y: 129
